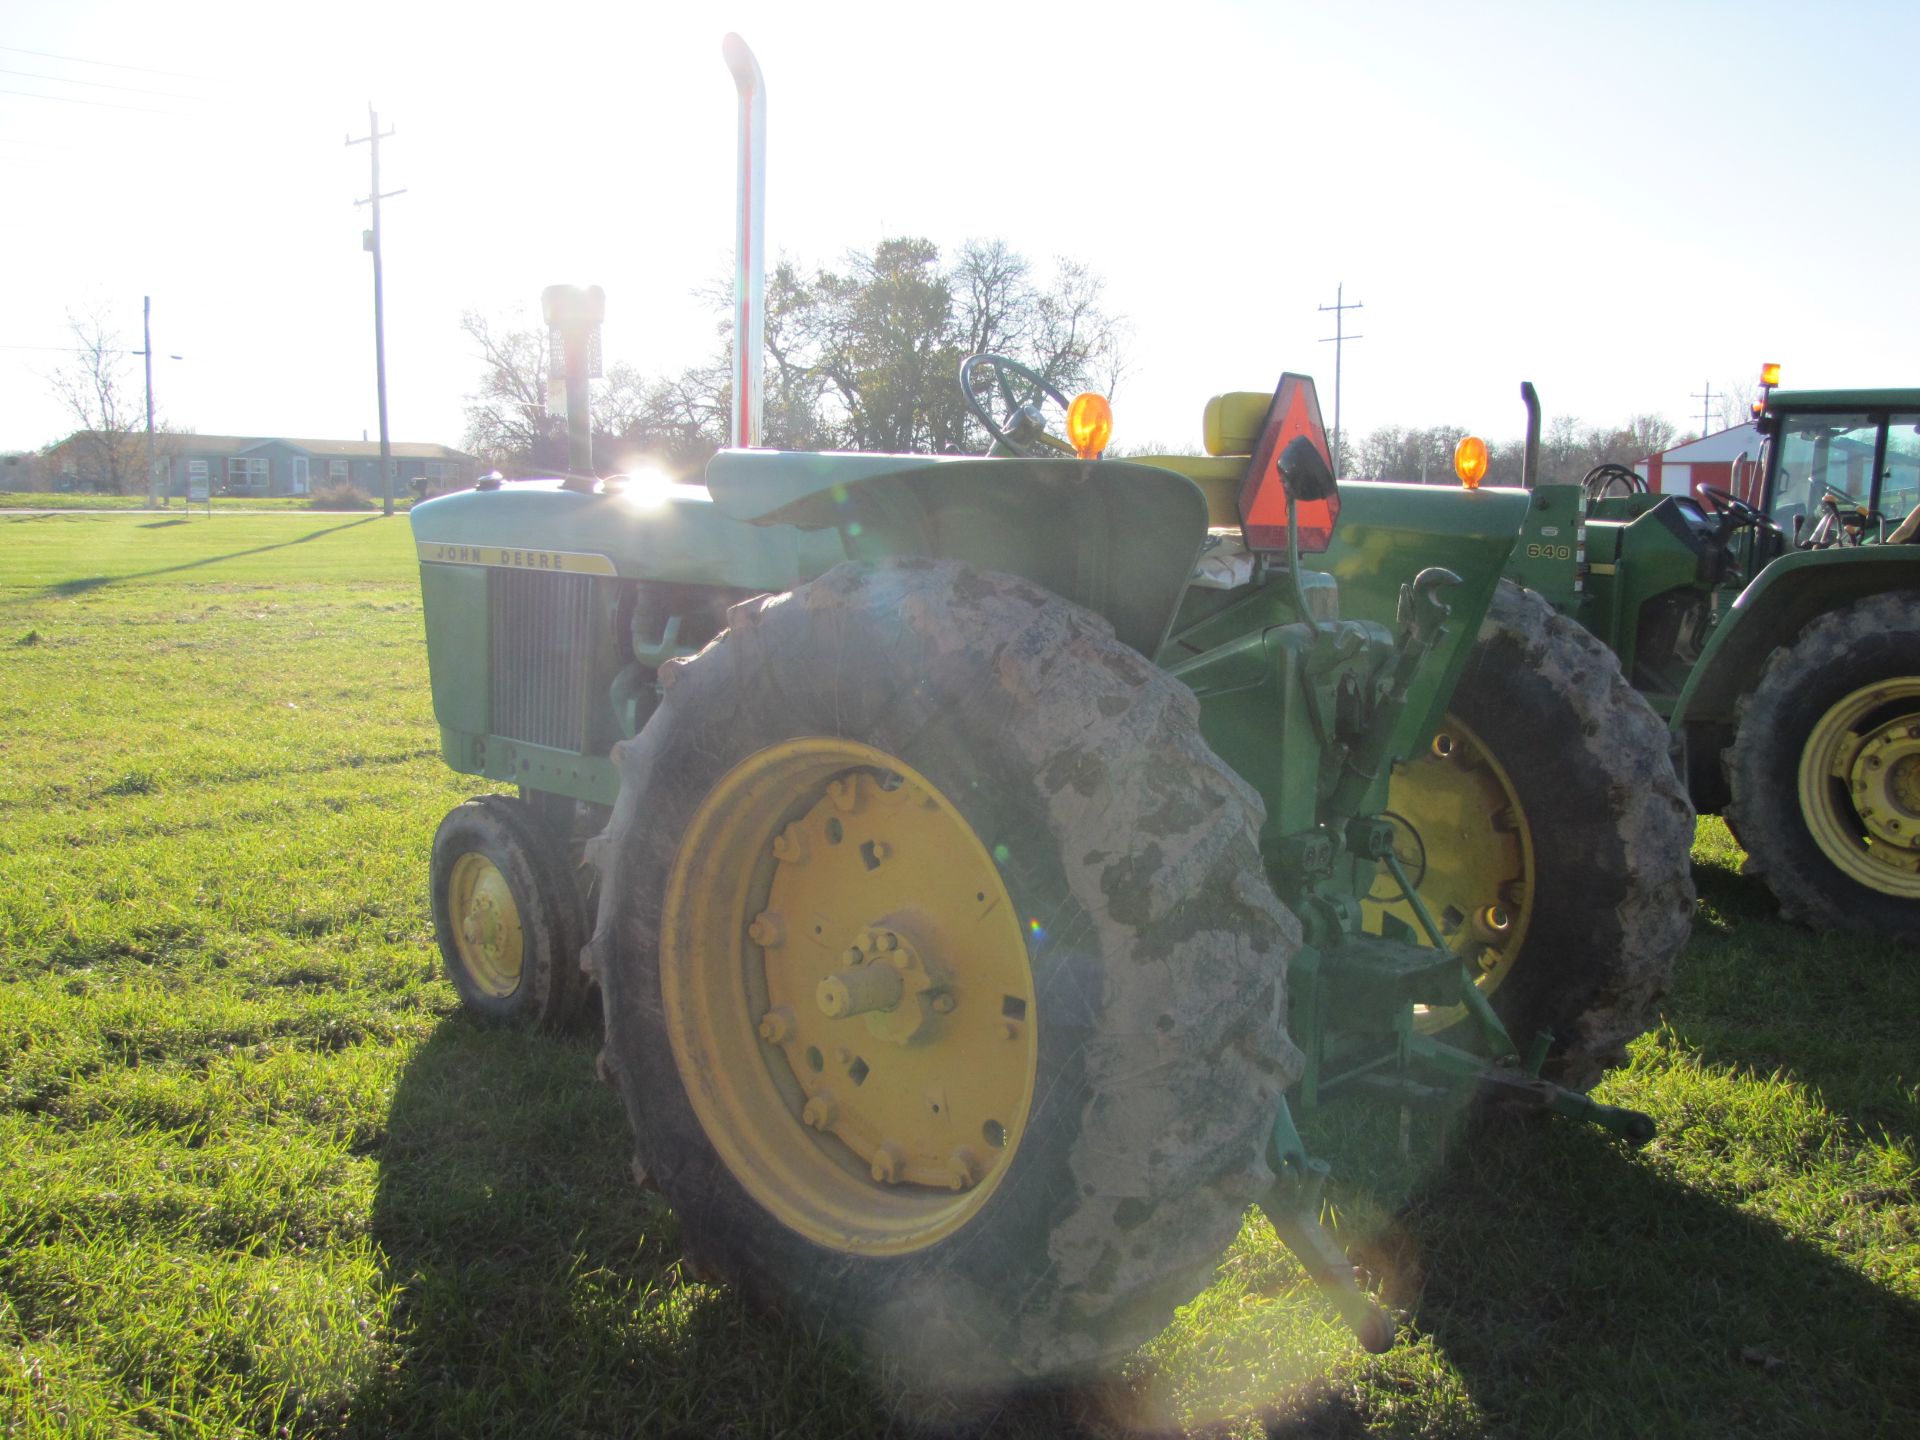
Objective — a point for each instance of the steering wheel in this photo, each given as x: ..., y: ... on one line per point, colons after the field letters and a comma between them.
x: 1600, y: 481
x: 1736, y: 514
x: 1732, y: 506
x: 1019, y: 421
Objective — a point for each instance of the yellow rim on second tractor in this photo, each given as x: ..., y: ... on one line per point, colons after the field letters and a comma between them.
x: 848, y: 996
x: 486, y: 924
x: 1859, y: 786
x: 1461, y: 835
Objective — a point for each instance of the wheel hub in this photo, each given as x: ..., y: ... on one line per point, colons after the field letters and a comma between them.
x: 486, y: 921
x: 1859, y: 786
x: 1461, y: 836
x: 867, y: 1067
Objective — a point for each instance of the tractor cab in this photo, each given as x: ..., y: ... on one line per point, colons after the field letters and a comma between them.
x: 1842, y: 466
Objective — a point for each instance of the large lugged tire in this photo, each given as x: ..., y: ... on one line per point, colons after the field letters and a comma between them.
x: 942, y: 985
x: 507, y: 915
x: 1824, y: 769
x: 1546, y: 830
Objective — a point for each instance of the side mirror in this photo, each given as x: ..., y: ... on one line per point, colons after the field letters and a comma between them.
x: 1306, y: 471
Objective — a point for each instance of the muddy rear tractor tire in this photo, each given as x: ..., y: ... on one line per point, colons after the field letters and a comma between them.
x: 507, y: 915
x: 1548, y: 833
x: 1824, y: 770
x: 941, y: 981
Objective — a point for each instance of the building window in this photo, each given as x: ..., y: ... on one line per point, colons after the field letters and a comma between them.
x: 337, y: 470
x: 441, y: 470
x: 247, y: 473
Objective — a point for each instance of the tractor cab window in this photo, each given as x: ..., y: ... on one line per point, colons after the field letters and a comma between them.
x: 1900, y: 477
x: 1821, y: 455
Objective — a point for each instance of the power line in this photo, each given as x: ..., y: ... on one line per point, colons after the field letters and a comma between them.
x: 95, y: 84
x: 106, y: 64
x: 110, y: 105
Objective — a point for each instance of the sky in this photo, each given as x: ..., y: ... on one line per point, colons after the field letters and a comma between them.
x: 1627, y: 203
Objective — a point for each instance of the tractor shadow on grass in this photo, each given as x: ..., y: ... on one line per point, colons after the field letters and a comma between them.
x: 1579, y: 1290
x: 539, y: 1291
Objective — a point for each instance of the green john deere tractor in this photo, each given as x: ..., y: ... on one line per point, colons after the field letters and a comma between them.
x: 1777, y: 634
x: 985, y: 857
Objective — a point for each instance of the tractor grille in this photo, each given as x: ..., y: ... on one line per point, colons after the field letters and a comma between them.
x: 539, y: 641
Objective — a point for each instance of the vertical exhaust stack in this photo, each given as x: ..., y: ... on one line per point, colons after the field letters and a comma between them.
x: 749, y: 266
x: 1530, y: 457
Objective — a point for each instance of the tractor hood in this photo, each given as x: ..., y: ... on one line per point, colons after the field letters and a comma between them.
x: 1116, y: 537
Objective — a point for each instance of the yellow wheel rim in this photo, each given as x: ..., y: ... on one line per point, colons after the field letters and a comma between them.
x: 1859, y: 786
x: 1461, y: 835
x: 848, y: 996
x: 486, y: 924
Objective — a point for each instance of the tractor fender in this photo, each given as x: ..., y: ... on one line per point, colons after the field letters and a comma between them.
x: 1773, y: 609
x: 1116, y: 537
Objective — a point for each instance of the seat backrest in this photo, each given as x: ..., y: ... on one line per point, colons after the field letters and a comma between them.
x: 1234, y: 420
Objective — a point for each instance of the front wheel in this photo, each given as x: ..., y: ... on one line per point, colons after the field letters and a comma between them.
x: 1549, y: 836
x: 1824, y: 769
x: 507, y: 915
x: 941, y: 981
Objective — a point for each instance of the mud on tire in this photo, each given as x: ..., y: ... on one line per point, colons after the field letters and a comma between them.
x: 1157, y: 956
x: 1610, y: 899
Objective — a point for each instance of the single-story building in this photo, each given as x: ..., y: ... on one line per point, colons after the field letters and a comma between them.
x: 278, y: 465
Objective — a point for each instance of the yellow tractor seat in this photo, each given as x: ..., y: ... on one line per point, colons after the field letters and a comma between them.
x: 1231, y: 427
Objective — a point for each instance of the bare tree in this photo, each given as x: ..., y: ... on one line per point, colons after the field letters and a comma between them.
x: 108, y: 449
x: 508, y: 423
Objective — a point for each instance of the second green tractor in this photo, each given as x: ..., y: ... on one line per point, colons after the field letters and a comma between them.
x: 1777, y: 634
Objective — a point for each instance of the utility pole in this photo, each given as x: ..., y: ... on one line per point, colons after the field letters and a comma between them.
x: 146, y: 353
x: 1706, y: 407
x: 370, y: 240
x: 1339, y: 339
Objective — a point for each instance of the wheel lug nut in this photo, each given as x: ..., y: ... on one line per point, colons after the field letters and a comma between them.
x: 888, y: 1160
x: 766, y: 930
x: 885, y: 940
x: 963, y: 1169
x: 776, y: 1025
x: 818, y: 1112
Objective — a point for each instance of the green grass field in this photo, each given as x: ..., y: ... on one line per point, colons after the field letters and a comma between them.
x: 260, y: 1176
x: 238, y: 504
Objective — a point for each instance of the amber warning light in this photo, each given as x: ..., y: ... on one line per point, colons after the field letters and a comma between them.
x: 1089, y: 425
x: 1770, y: 375
x: 1470, y: 461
